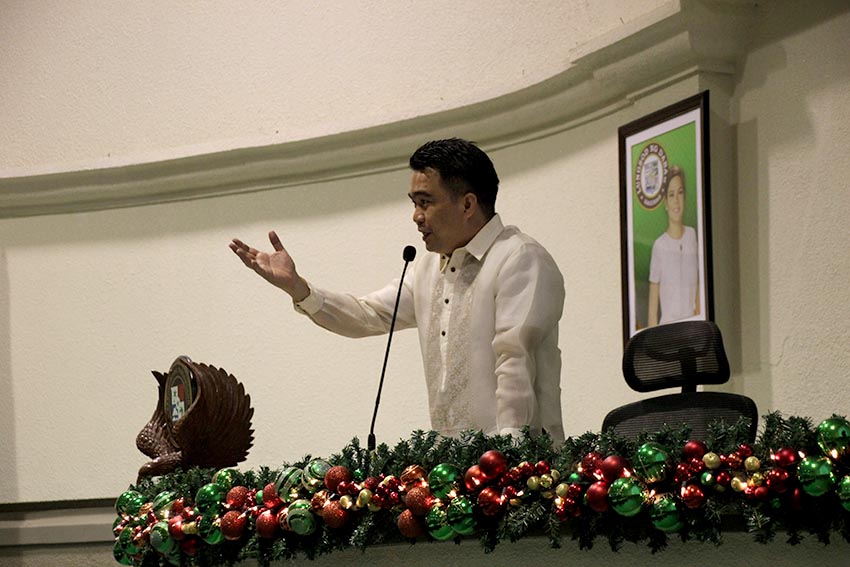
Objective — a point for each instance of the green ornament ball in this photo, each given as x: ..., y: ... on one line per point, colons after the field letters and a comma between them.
x: 626, y: 496
x: 209, y: 529
x: 313, y: 476
x: 129, y: 502
x: 119, y: 554
x: 209, y: 497
x: 844, y: 492
x: 300, y: 518
x: 288, y: 481
x: 459, y: 515
x: 444, y: 478
x: 126, y: 540
x: 160, y: 539
x: 834, y: 437
x: 226, y: 478
x: 438, y: 525
x: 665, y: 515
x: 162, y: 503
x: 651, y: 462
x: 816, y: 475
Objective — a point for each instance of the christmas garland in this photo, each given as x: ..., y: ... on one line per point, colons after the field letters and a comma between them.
x: 663, y: 484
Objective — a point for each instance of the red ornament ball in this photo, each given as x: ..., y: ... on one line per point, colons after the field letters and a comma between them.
x: 490, y: 501
x: 693, y: 496
x: 175, y: 527
x: 590, y: 464
x: 785, y: 457
x: 410, y: 525
x: 189, y: 546
x: 493, y: 464
x: 233, y: 525
x: 267, y: 524
x: 474, y: 478
x: 419, y: 500
x: 777, y: 480
x: 334, y: 515
x: 236, y: 497
x: 694, y: 449
x: 271, y: 499
x: 761, y: 493
x: 335, y: 475
x: 597, y: 496
x: 612, y: 467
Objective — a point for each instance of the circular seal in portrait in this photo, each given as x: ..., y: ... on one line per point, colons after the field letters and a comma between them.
x: 179, y: 390
x: 650, y: 175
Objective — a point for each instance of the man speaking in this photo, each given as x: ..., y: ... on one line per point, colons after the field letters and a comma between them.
x: 487, y: 301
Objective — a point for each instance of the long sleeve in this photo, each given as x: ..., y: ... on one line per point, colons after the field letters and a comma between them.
x: 350, y: 316
x: 529, y: 302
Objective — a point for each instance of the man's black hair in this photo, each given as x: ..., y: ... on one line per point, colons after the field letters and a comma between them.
x: 463, y: 168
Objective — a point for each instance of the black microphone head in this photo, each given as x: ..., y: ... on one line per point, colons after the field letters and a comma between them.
x: 409, y: 253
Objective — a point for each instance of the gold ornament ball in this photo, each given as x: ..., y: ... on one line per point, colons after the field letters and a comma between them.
x: 738, y: 485
x: 562, y: 489
x: 711, y: 460
x: 752, y: 464
x: 533, y: 483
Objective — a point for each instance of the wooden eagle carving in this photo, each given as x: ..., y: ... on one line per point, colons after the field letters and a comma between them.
x: 203, y: 419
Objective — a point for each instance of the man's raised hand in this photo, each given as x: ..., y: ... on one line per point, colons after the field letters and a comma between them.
x: 276, y: 267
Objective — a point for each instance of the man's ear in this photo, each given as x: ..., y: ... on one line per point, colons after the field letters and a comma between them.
x: 470, y: 203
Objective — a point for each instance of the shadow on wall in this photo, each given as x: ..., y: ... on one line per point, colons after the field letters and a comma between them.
x: 8, y: 474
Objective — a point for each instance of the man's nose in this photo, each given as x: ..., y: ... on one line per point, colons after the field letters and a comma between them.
x: 418, y: 216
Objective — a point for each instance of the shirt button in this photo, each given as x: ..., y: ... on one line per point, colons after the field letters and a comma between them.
x: 453, y: 268
x: 443, y: 333
x: 447, y: 300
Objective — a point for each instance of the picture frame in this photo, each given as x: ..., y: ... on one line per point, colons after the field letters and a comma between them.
x: 665, y: 228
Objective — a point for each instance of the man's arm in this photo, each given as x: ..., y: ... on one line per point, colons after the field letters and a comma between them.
x: 529, y: 304
x: 277, y: 268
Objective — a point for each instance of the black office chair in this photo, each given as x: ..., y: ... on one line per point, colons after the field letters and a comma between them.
x: 684, y: 354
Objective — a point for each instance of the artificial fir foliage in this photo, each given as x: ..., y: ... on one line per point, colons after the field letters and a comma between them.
x: 792, y: 483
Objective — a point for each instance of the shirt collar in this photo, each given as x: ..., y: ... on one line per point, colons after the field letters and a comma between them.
x: 481, y: 242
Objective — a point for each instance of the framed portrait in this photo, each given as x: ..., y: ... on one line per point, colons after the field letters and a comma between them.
x: 665, y: 229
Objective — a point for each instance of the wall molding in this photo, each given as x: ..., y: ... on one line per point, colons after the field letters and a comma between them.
x: 604, y: 75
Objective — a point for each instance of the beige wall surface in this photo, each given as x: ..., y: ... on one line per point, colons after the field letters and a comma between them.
x: 90, y: 302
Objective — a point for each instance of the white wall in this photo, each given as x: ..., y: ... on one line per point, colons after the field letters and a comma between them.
x: 91, y: 301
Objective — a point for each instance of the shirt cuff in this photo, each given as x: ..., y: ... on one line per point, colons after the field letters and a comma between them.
x: 310, y: 304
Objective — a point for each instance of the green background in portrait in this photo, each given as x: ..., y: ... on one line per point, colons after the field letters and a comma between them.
x: 680, y: 145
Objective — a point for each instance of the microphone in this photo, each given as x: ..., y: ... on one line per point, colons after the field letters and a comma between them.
x: 407, y: 255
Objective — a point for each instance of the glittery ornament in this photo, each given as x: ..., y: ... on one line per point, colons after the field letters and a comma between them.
x: 237, y: 497
x: 597, y: 496
x: 233, y: 525
x: 651, y: 463
x: 626, y: 496
x: 443, y: 479
x: 459, y: 515
x: 613, y: 467
x: 665, y: 515
x: 225, y: 477
x: 590, y: 465
x: 816, y: 475
x: 209, y: 498
x: 267, y: 525
x: 834, y: 437
x: 419, y: 500
x: 493, y: 464
x: 334, y: 515
x: 490, y: 501
x: 438, y: 525
x: 335, y: 475
x: 410, y: 526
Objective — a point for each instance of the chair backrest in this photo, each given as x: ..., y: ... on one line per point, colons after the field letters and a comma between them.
x: 682, y: 354
x: 696, y: 409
